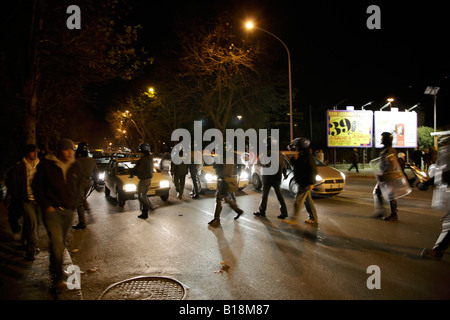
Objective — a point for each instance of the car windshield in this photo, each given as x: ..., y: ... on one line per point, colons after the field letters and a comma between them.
x: 102, y: 160
x: 123, y: 167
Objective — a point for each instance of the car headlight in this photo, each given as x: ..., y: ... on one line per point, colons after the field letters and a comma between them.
x: 343, y: 175
x: 129, y: 187
x: 209, y: 177
x: 164, y: 184
x: 243, y: 175
x: 318, y: 178
x: 101, y: 176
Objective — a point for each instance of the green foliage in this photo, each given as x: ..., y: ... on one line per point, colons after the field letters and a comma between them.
x: 424, y: 139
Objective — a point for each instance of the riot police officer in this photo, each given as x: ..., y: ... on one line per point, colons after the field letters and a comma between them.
x: 227, y: 181
x: 144, y: 171
x: 88, y: 170
x: 305, y: 172
x: 388, y: 171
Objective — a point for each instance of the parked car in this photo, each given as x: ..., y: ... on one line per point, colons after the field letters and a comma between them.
x: 329, y: 181
x: 119, y: 185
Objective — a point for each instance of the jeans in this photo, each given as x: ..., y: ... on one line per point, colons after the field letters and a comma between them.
x: 57, y: 224
x: 30, y: 225
x: 304, y: 196
x: 143, y: 187
x: 269, y: 182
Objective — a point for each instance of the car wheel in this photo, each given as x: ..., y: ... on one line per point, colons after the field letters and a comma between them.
x: 165, y: 197
x: 107, y: 191
x: 293, y: 187
x: 256, y: 182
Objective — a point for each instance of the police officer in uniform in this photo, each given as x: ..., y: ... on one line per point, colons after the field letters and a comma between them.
x: 144, y: 171
x: 305, y: 172
x: 88, y: 168
x: 226, y: 184
x: 388, y: 169
x: 272, y: 181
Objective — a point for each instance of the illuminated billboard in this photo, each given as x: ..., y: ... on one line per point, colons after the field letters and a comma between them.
x: 350, y: 128
x: 402, y: 125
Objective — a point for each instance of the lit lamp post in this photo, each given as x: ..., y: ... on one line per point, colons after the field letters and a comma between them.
x: 390, y: 100
x: 249, y: 25
x: 433, y: 91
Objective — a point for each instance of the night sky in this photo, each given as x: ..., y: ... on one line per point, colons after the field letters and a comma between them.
x: 334, y: 55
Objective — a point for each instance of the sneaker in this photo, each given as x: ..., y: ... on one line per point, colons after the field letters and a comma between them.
x: 311, y: 221
x: 239, y: 213
x: 259, y: 214
x: 282, y: 216
x: 214, y: 221
x: 144, y: 215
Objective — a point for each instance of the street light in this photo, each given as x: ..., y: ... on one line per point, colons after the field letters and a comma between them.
x: 433, y: 91
x: 413, y: 107
x: 390, y: 100
x: 249, y: 25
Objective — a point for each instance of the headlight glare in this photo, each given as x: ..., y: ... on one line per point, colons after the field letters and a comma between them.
x: 129, y: 187
x: 164, y: 184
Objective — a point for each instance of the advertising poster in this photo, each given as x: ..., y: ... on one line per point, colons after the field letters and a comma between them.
x: 402, y: 125
x: 347, y: 128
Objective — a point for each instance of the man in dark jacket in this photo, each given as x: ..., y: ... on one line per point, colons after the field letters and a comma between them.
x: 144, y: 171
x: 272, y: 181
x: 178, y: 173
x: 19, y: 187
x: 56, y: 187
x: 305, y: 176
x: 88, y: 171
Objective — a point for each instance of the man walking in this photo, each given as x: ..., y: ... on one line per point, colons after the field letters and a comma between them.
x: 272, y: 181
x: 388, y: 172
x: 144, y: 171
x: 19, y: 186
x: 305, y: 176
x: 88, y: 168
x: 178, y: 173
x: 227, y: 181
x: 56, y: 187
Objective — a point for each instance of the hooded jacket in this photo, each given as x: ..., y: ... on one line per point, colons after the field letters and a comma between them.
x: 57, y: 184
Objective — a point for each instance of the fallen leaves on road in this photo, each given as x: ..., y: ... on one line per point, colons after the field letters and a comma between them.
x: 224, y: 267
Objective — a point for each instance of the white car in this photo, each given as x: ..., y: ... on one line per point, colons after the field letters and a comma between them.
x: 329, y: 181
x: 119, y: 185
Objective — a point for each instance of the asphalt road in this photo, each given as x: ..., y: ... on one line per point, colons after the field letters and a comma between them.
x: 266, y: 258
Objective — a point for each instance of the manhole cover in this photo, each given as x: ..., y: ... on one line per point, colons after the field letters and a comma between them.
x: 145, y: 288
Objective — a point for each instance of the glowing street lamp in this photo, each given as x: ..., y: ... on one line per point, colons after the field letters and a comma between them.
x: 249, y: 25
x: 390, y: 100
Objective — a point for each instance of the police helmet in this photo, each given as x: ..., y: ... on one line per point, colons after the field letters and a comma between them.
x: 144, y: 147
x: 386, y: 138
x: 301, y: 142
x: 83, y: 149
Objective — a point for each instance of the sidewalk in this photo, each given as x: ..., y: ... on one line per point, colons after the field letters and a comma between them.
x: 366, y: 172
x: 27, y: 280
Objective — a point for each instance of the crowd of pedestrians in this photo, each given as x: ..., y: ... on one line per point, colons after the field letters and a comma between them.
x: 57, y: 185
